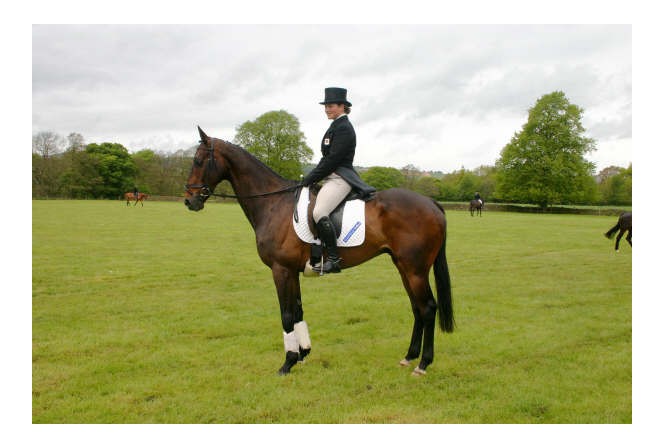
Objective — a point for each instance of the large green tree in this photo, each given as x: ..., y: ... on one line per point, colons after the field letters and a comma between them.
x: 114, y: 166
x: 544, y: 163
x: 275, y: 138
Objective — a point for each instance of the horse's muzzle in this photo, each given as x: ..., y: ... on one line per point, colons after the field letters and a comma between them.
x: 194, y: 203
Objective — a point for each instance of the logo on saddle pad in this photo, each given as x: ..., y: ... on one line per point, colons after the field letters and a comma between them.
x: 353, y: 222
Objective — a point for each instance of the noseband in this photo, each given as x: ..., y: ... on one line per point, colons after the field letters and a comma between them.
x: 205, y: 192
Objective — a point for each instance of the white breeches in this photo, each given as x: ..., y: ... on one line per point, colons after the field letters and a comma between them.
x: 332, y: 193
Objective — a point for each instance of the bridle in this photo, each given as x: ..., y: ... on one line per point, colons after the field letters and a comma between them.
x: 205, y: 191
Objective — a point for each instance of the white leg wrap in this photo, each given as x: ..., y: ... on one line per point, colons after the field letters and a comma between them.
x: 290, y: 342
x: 302, y: 334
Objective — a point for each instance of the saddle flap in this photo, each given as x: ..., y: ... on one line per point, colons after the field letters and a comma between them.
x: 348, y: 219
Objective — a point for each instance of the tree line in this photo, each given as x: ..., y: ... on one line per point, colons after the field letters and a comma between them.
x: 612, y: 186
x: 542, y: 164
x: 69, y: 168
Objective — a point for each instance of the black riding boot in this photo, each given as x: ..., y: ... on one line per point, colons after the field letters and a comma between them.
x: 327, y: 236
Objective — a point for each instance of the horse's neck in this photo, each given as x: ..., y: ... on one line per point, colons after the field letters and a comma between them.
x: 249, y: 177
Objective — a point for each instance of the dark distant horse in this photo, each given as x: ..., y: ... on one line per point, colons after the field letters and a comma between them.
x: 475, y: 204
x: 409, y: 227
x: 624, y: 224
x: 129, y: 196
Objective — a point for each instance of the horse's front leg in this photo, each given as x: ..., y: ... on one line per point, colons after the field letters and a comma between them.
x: 297, y: 343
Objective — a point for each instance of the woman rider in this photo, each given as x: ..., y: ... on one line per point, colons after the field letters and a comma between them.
x: 336, y: 171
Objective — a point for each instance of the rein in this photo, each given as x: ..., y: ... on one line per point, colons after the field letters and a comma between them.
x: 259, y: 195
x: 205, y: 192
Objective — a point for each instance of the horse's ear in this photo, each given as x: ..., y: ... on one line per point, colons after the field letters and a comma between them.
x: 204, y: 137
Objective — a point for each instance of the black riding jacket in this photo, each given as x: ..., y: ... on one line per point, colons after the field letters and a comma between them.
x: 338, y: 148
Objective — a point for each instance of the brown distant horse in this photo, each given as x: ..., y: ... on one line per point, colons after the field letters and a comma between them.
x: 476, y: 205
x: 624, y: 224
x: 129, y: 196
x: 409, y: 227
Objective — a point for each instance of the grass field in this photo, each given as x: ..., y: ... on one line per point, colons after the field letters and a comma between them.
x: 161, y: 315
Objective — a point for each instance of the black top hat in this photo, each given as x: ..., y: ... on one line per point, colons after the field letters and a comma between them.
x: 335, y: 95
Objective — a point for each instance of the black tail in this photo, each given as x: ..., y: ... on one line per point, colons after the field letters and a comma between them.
x: 610, y: 233
x: 443, y: 290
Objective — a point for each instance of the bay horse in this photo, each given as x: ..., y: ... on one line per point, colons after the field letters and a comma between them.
x: 129, y: 196
x: 409, y: 227
x: 625, y: 223
x: 476, y: 205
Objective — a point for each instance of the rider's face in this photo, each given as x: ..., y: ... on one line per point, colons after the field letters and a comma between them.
x: 333, y: 110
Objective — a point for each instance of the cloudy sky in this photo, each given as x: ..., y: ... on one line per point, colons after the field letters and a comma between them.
x: 435, y: 96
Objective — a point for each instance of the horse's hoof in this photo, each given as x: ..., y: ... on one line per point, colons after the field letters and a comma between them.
x: 303, y: 353
x: 404, y: 363
x: 282, y: 372
x: 418, y: 372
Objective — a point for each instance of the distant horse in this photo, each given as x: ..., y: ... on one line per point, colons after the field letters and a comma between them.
x: 474, y: 205
x: 129, y: 196
x: 624, y: 224
x: 409, y: 227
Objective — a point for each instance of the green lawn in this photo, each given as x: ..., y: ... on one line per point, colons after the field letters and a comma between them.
x: 161, y: 315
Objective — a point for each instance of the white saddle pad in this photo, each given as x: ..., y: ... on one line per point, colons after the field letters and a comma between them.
x: 353, y: 222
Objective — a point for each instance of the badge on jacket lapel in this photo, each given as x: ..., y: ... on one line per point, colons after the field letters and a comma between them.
x: 326, y: 141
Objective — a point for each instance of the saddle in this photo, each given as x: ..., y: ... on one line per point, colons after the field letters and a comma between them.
x: 348, y: 218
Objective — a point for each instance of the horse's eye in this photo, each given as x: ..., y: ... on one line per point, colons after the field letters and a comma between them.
x: 198, y: 162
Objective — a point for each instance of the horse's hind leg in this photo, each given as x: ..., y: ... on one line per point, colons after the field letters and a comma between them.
x: 424, y: 311
x: 616, y: 244
x: 629, y: 238
x: 416, y: 339
x: 428, y: 312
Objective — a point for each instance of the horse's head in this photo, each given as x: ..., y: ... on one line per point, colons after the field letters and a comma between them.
x: 207, y: 171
